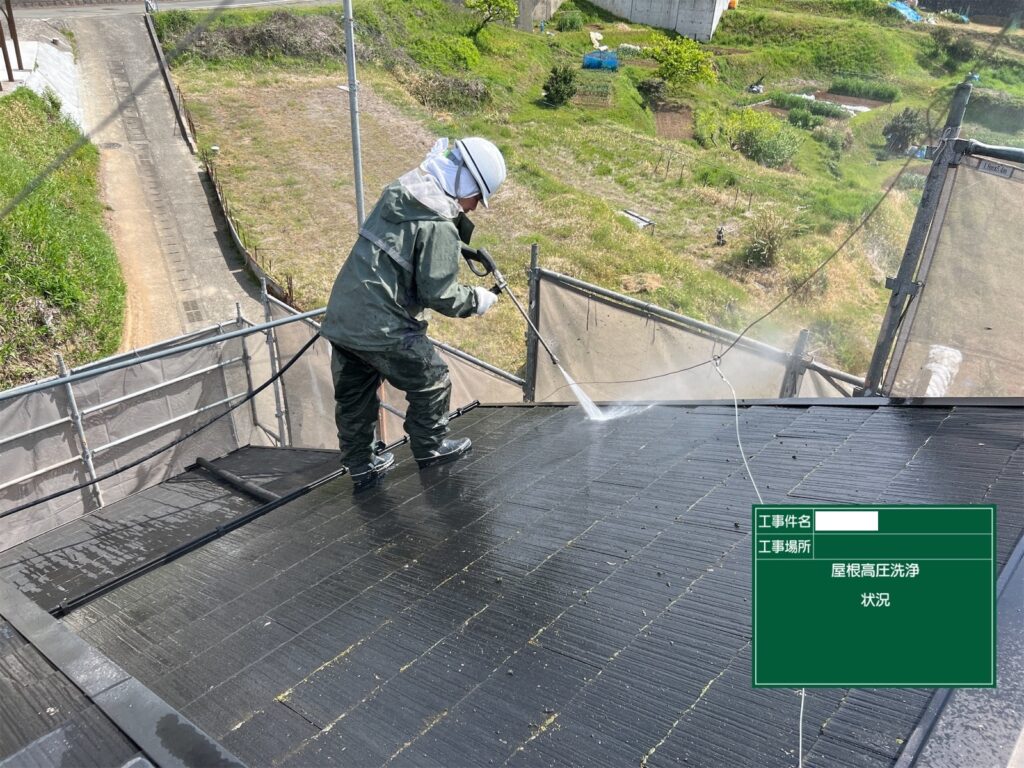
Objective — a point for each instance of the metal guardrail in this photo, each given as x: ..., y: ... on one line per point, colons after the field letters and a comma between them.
x: 158, y: 355
x: 63, y: 391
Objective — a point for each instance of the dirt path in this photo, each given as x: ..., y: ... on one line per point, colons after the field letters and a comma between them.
x: 181, y: 271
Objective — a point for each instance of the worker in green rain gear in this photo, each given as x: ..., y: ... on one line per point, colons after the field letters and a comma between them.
x: 405, y: 261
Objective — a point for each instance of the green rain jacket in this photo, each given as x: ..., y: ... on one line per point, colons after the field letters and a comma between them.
x: 405, y: 261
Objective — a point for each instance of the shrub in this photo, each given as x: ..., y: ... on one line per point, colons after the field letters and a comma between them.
x: 172, y: 25
x: 902, y: 130
x: 313, y: 37
x: 769, y: 231
x: 707, y: 126
x: 957, y: 48
x: 445, y: 53
x: 757, y: 135
x: 446, y: 92
x: 802, y: 118
x: 652, y: 90
x: 838, y: 140
x: 570, y: 21
x: 560, y: 85
x: 794, y: 101
x: 51, y: 102
x: 865, y: 89
x: 962, y: 49
x: 953, y: 16
x: 911, y: 181
x: 682, y: 61
x: 769, y: 142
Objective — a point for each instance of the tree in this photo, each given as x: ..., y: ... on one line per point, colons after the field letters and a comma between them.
x: 902, y: 130
x: 560, y: 85
x: 492, y: 10
x: 682, y: 61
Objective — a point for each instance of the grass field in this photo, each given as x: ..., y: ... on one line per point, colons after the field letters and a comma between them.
x: 283, y: 132
x: 60, y: 284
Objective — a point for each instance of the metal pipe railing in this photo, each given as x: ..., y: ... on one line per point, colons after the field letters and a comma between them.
x: 512, y: 378
x: 716, y: 334
x: 163, y: 384
x: 167, y: 423
x: 279, y: 401
x: 978, y: 149
x: 34, y: 430
x: 86, y: 456
x: 82, y: 375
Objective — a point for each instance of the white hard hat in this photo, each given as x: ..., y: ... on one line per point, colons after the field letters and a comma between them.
x: 485, y: 164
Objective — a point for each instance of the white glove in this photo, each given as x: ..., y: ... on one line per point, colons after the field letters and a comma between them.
x: 484, y: 299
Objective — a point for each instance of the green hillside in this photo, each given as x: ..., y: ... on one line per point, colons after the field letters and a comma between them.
x: 787, y: 185
x: 60, y: 283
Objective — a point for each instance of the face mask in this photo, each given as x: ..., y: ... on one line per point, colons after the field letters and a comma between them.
x: 465, y: 227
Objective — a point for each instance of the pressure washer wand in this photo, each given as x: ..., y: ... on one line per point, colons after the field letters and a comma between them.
x: 481, y: 263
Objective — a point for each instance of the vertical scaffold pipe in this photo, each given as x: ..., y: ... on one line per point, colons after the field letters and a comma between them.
x: 903, y: 286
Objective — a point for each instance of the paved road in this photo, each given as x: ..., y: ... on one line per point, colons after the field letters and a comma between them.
x: 132, y: 8
x: 181, y: 268
x: 153, y: 172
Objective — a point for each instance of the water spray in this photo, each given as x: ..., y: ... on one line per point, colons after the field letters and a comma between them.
x: 482, y: 264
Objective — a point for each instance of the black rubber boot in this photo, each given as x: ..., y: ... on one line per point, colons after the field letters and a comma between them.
x: 448, y: 450
x: 364, y: 474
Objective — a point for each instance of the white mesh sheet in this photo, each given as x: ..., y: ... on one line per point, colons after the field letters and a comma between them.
x: 23, y: 455
x: 308, y: 388
x: 617, y: 354
x: 815, y: 384
x: 967, y: 333
x: 126, y: 414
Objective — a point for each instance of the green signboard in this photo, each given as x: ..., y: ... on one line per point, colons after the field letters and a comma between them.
x: 876, y: 596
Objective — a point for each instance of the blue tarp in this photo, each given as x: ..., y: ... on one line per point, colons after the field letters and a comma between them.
x: 909, y: 13
x: 601, y: 60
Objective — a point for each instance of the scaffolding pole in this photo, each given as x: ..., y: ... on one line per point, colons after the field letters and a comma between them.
x: 279, y: 406
x: 904, y: 286
x: 76, y: 419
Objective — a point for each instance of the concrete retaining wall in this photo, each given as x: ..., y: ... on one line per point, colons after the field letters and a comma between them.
x: 695, y: 19
x: 533, y: 11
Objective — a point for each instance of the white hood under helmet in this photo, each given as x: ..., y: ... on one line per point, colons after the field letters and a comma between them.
x: 473, y: 167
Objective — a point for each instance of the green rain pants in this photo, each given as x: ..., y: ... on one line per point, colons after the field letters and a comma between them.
x: 415, y: 368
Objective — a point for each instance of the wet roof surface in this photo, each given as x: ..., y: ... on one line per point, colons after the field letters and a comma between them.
x: 570, y: 593
x: 45, y: 719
